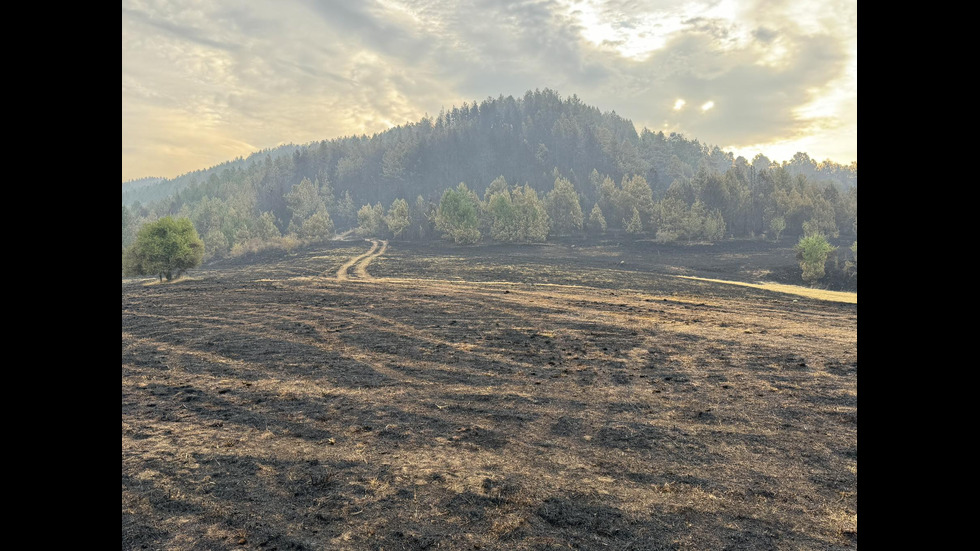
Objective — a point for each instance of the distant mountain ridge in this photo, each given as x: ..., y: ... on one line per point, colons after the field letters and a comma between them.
x: 149, y: 189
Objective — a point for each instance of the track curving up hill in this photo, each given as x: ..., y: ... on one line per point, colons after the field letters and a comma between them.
x: 360, y: 263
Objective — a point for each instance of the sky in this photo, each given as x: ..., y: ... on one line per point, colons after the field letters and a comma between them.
x: 206, y: 81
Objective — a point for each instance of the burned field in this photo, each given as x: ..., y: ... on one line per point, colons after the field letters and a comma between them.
x: 545, y: 397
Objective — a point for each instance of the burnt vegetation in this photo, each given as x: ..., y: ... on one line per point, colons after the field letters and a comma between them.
x: 568, y: 394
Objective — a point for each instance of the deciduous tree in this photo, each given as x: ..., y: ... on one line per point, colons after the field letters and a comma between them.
x: 777, y: 225
x: 165, y: 248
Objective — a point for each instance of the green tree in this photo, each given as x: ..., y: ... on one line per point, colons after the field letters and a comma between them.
x: 264, y: 227
x: 398, y: 217
x: 498, y: 185
x: 322, y: 184
x: 812, y: 251
x: 634, y: 225
x: 518, y: 216
x: 215, y: 243
x: 672, y: 214
x: 597, y: 222
x: 777, y: 225
x: 318, y: 227
x: 370, y: 221
x: 713, y: 226
x: 458, y: 215
x: 423, y: 216
x: 532, y: 214
x: 345, y: 211
x: 304, y: 199
x: 165, y: 248
x: 304, y: 202
x: 128, y: 223
x: 210, y: 216
x: 851, y: 266
x: 503, y: 215
x: 564, y: 208
x: 636, y: 194
x: 607, y: 197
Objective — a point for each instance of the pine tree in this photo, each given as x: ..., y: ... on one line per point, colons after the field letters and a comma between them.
x: 458, y: 216
x: 597, y: 222
x: 634, y: 226
x: 564, y: 208
x: 398, y: 217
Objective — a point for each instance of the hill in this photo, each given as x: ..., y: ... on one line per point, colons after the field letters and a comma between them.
x: 524, y: 139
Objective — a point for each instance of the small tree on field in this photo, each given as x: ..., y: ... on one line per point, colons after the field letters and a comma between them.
x: 812, y: 251
x: 165, y: 248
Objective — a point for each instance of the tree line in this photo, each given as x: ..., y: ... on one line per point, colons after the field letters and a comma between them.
x: 708, y: 206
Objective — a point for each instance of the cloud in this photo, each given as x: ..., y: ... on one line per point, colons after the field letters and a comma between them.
x: 764, y: 35
x: 752, y: 101
x: 219, y: 75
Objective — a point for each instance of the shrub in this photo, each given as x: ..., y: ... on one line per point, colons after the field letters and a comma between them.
x: 165, y: 248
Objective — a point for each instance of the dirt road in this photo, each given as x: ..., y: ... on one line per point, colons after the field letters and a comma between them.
x: 360, y: 263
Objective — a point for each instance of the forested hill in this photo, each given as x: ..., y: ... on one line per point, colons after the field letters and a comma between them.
x: 506, y: 170
x: 523, y: 139
x: 148, y: 190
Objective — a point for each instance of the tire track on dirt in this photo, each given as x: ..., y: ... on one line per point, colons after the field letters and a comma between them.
x: 342, y: 271
x: 360, y: 263
x: 360, y: 269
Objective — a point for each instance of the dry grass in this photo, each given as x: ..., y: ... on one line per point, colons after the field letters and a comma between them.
x: 819, y: 294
